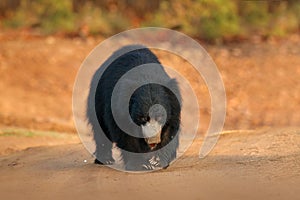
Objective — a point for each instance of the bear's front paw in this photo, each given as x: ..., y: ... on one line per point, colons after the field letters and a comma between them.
x: 154, y: 163
x: 106, y: 162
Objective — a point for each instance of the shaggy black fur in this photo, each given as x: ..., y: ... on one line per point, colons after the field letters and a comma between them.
x: 141, y: 100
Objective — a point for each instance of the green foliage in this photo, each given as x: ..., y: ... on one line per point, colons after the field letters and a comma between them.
x: 54, y: 15
x: 284, y: 24
x: 208, y: 19
x: 20, y: 132
x: 269, y: 20
x: 254, y: 14
x: 49, y: 15
x: 17, y: 20
x: 101, y: 21
x: 219, y: 19
x: 213, y: 20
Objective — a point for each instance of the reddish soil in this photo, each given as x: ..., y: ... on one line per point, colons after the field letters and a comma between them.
x: 37, y: 76
x: 262, y: 82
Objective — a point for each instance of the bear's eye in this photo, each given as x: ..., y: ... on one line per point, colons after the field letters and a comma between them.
x: 144, y: 119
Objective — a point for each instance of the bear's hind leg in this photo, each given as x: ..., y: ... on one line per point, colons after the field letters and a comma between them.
x: 103, y: 152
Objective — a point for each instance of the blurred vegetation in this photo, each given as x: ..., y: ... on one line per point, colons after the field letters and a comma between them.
x: 208, y: 19
x: 213, y: 20
x: 20, y: 132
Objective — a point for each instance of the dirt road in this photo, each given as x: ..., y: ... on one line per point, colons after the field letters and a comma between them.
x: 262, y: 164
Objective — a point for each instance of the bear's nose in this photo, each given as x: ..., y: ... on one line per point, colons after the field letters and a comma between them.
x: 151, y: 129
x: 151, y: 132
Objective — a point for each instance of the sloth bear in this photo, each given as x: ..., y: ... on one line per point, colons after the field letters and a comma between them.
x: 153, y: 107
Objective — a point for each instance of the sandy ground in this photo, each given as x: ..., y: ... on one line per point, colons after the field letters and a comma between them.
x: 13, y: 139
x: 261, y: 164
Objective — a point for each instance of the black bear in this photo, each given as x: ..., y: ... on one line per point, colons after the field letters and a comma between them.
x: 153, y: 107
